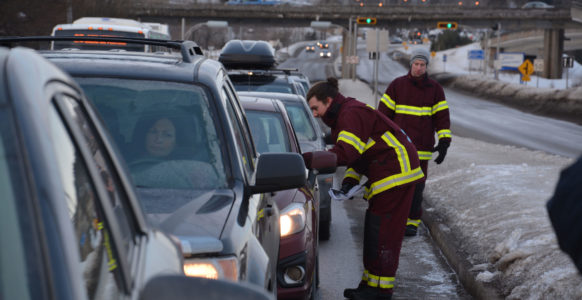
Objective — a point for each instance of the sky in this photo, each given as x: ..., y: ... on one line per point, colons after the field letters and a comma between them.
x: 493, y: 199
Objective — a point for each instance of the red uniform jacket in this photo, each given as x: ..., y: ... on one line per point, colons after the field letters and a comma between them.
x: 372, y: 145
x: 419, y: 107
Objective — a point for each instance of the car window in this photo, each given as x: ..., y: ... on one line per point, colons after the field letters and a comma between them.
x: 269, y: 132
x: 166, y: 132
x: 262, y: 84
x: 100, y: 270
x: 15, y: 271
x: 118, y: 198
x: 247, y: 156
x: 301, y: 121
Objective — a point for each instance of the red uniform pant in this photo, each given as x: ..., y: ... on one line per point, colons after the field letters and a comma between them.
x: 383, y: 233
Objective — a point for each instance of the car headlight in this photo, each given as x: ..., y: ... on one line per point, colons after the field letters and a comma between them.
x: 212, y: 268
x: 292, y: 219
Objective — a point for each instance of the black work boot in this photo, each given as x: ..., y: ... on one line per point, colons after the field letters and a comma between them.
x: 370, y: 293
x: 349, y: 293
x: 410, y: 230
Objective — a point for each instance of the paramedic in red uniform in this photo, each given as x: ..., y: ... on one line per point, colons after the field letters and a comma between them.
x: 417, y: 104
x: 372, y: 145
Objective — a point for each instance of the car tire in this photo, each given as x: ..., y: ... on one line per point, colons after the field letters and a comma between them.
x: 324, y: 230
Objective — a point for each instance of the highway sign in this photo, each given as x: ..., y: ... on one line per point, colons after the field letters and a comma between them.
x: 476, y: 54
x: 377, y: 40
x: 526, y: 69
x: 538, y: 64
x: 568, y: 62
x: 510, y: 60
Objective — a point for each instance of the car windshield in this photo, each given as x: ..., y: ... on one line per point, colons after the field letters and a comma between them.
x: 300, y: 121
x: 261, y: 84
x: 268, y: 130
x: 164, y: 130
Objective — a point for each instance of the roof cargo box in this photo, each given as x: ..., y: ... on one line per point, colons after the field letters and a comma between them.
x: 247, y: 54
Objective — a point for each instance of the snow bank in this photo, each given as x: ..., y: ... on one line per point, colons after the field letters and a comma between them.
x: 492, y: 198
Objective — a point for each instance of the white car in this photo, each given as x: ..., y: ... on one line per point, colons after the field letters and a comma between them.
x: 325, y: 54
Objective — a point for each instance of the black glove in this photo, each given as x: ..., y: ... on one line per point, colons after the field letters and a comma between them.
x: 441, y: 148
x: 346, y: 187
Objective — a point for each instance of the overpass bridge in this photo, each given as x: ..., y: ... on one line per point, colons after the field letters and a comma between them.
x: 552, y: 21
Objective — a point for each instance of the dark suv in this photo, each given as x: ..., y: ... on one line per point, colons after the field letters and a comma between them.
x: 72, y: 227
x: 178, y: 123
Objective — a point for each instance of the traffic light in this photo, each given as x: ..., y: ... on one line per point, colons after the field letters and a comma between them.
x: 366, y: 21
x: 447, y: 25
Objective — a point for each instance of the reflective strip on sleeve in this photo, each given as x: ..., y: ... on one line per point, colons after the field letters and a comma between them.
x: 424, y: 155
x: 378, y: 281
x: 440, y: 106
x: 401, y: 152
x: 392, y: 181
x: 351, y: 173
x: 444, y: 133
x: 351, y: 139
x: 388, y: 102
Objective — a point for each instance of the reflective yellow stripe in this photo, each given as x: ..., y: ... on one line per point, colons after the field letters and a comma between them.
x: 440, y: 106
x: 351, y: 139
x: 413, y: 222
x: 378, y: 281
x: 414, y: 110
x: 401, y: 152
x: 392, y: 181
x: 424, y: 155
x: 351, y: 173
x: 260, y: 214
x: 369, y: 145
x: 417, y: 110
x: 370, y: 106
x: 444, y: 133
x: 388, y: 101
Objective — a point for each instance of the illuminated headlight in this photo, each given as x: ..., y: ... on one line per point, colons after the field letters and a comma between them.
x: 292, y: 219
x: 321, y: 54
x: 212, y: 268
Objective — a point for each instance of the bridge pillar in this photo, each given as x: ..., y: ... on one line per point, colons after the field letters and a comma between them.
x: 553, y: 49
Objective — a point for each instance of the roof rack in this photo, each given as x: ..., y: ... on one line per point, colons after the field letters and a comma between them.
x: 254, y: 71
x: 188, y: 49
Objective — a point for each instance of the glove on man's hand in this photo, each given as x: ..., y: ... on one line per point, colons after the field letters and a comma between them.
x: 307, y: 157
x: 441, y: 148
x: 346, y: 187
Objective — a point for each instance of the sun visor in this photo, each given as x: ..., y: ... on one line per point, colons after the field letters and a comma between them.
x: 247, y: 54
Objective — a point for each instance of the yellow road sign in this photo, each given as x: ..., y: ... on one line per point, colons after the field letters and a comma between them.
x: 526, y: 68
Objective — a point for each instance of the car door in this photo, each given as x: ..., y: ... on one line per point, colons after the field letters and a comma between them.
x: 263, y: 210
x: 116, y: 220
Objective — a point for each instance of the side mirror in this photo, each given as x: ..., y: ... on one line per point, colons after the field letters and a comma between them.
x: 181, y: 288
x: 324, y: 162
x: 279, y: 171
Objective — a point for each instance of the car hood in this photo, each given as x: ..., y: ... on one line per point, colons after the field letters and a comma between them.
x: 188, y: 214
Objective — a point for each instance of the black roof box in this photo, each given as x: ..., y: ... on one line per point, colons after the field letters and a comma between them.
x: 247, y: 54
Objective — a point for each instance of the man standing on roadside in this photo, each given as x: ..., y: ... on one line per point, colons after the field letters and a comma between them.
x: 417, y: 104
x: 376, y: 147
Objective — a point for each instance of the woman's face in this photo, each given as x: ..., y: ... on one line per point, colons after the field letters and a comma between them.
x: 161, y: 138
